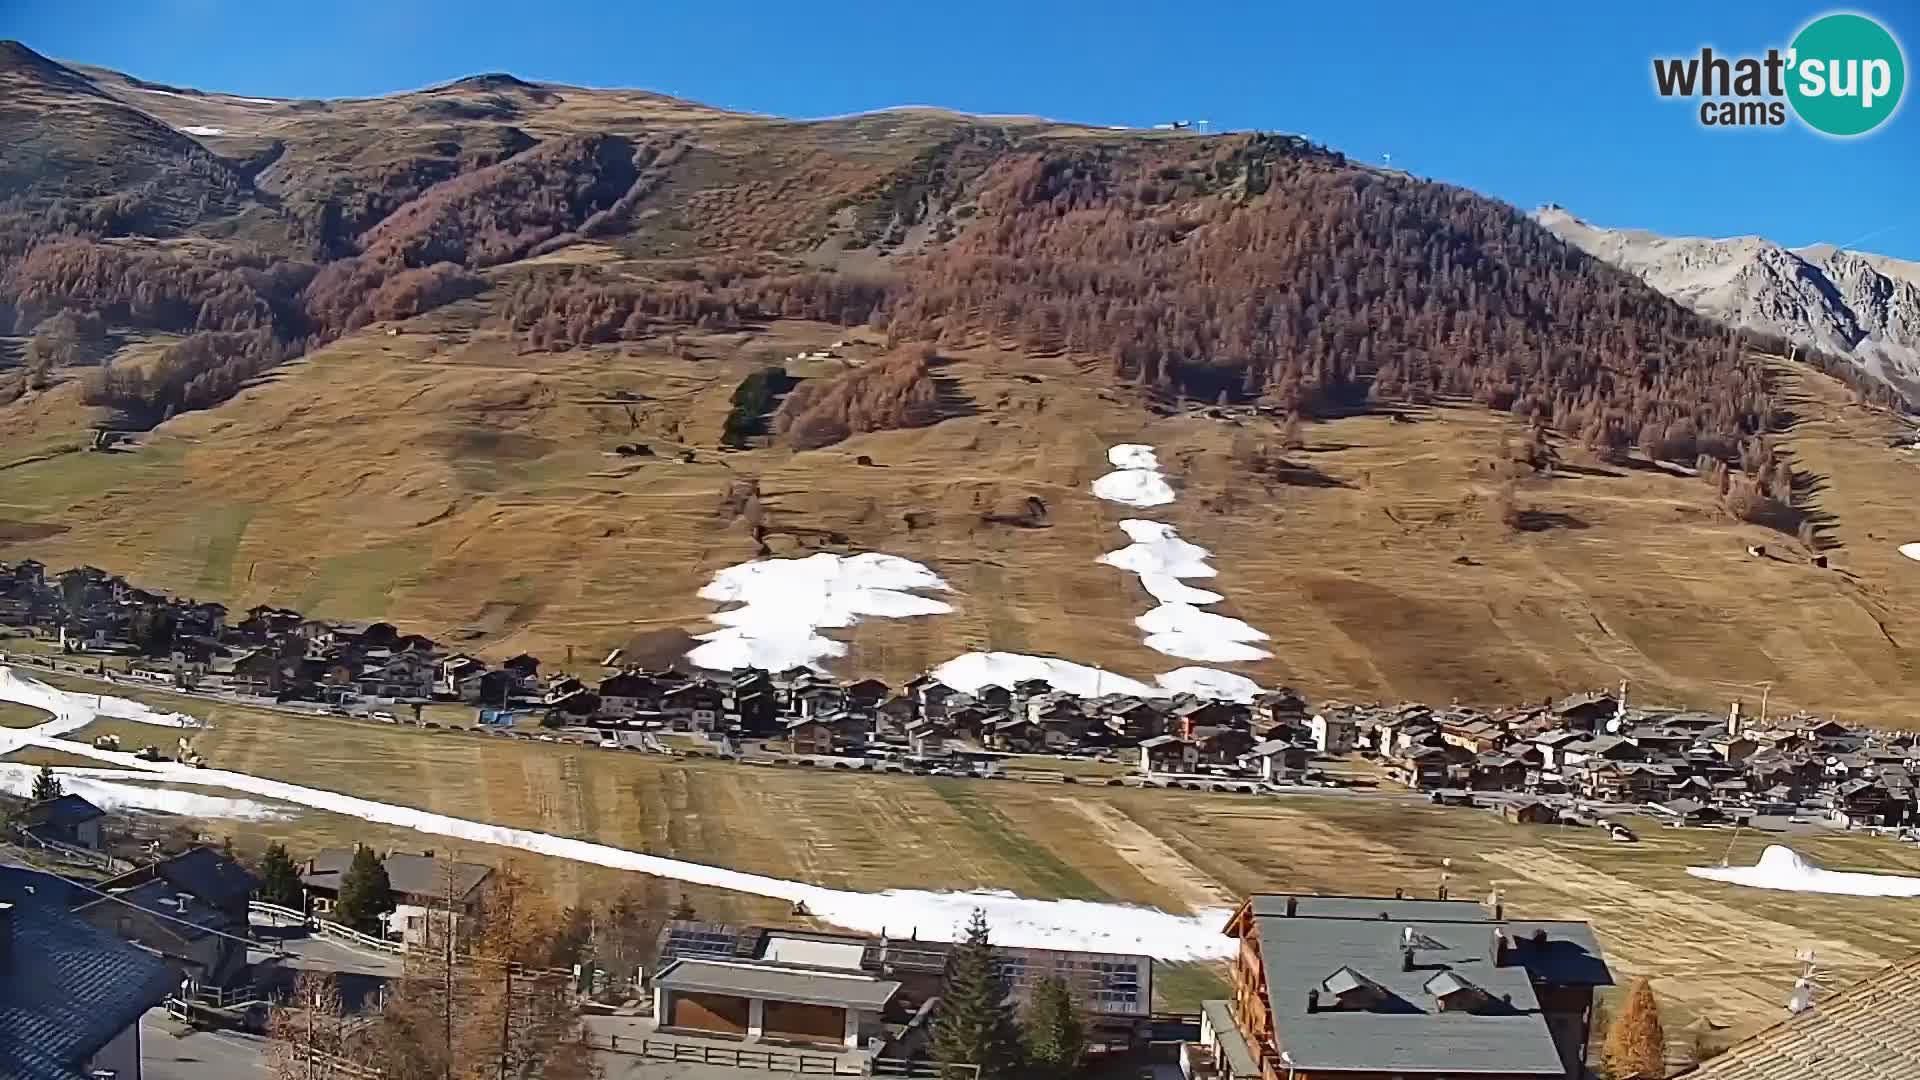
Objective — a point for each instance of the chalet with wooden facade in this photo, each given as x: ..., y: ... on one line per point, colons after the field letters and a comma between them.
x: 1364, y: 988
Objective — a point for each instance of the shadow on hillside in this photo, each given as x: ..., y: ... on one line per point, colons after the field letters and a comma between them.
x: 1547, y: 521
x: 1292, y: 474
x: 950, y: 399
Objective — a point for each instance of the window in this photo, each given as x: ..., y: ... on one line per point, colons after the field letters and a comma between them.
x: 413, y: 922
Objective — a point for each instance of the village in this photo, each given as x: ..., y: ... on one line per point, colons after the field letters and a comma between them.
x: 1585, y: 758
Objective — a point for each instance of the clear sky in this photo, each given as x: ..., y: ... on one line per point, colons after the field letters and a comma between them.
x: 1531, y: 102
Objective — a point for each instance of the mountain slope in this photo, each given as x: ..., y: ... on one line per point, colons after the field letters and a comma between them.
x: 1863, y: 307
x: 396, y: 381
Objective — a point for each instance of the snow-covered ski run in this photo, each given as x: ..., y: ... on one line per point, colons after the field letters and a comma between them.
x: 1016, y: 920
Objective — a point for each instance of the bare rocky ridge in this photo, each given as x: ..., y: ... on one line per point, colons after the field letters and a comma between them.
x: 1863, y: 307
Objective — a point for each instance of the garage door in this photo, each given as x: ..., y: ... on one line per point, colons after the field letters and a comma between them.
x: 805, y: 1023
x: 710, y: 1012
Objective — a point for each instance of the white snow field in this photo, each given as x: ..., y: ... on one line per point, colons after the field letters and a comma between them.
x: 1160, y: 558
x: 1136, y: 479
x: 1067, y: 924
x: 1911, y: 551
x: 98, y: 787
x: 784, y: 602
x: 971, y: 671
x: 1787, y: 870
x: 199, y: 129
x: 1185, y: 631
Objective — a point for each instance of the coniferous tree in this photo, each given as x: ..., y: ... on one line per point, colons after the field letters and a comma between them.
x: 46, y: 785
x: 975, y: 1025
x: 1053, y: 1031
x: 279, y: 878
x: 1636, y: 1042
x: 365, y: 893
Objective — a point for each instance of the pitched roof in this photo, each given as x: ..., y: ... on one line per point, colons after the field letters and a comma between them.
x: 1332, y: 943
x: 207, y: 873
x: 69, y: 987
x: 64, y: 812
x: 1868, y: 1031
x: 425, y: 875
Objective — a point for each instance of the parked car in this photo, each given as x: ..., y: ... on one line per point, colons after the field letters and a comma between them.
x: 383, y: 716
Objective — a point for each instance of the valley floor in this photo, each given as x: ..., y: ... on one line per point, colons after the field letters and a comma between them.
x: 1719, y: 953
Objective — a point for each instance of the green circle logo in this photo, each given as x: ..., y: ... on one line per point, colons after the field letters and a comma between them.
x: 1847, y: 74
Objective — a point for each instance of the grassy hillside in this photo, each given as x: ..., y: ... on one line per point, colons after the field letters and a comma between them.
x: 443, y: 478
x: 386, y: 377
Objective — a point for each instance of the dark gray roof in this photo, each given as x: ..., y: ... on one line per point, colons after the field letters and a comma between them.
x: 777, y: 983
x: 210, y: 875
x: 1370, y: 907
x: 1233, y: 1045
x: 416, y: 875
x: 68, y: 987
x: 1334, y: 942
x: 426, y: 875
x: 188, y: 919
x: 64, y: 812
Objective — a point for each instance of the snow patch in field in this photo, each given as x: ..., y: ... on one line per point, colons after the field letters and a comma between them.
x: 971, y: 672
x: 783, y: 603
x: 1787, y: 870
x: 254, y: 100
x: 200, y: 129
x: 1185, y: 631
x: 99, y: 787
x: 1911, y: 551
x: 1136, y: 479
x: 1209, y: 683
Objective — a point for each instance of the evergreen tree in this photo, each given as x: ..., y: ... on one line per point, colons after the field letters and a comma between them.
x: 365, y: 893
x: 1053, y: 1031
x: 1636, y: 1043
x: 279, y: 878
x: 683, y: 910
x: 46, y: 785
x: 975, y: 1026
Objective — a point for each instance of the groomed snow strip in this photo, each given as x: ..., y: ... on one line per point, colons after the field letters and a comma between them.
x: 940, y: 916
x: 783, y: 603
x: 98, y: 787
x: 1785, y: 869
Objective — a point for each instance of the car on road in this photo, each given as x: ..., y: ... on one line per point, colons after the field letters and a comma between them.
x: 384, y: 717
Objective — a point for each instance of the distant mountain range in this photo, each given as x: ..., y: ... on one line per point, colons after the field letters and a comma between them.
x: 1863, y: 307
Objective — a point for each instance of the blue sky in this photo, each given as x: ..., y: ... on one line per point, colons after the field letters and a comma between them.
x: 1530, y: 102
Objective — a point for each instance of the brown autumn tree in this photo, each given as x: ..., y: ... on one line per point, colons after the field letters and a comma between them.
x: 310, y: 1035
x: 895, y: 392
x: 1636, y: 1041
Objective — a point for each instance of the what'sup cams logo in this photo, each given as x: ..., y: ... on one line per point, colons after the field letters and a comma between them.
x: 1843, y: 75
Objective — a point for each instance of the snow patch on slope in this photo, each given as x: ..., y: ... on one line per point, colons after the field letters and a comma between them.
x: 201, y: 129
x: 783, y: 603
x: 1136, y: 479
x: 1787, y: 870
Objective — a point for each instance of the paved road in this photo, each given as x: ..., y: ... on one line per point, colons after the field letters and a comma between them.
x: 317, y: 952
x: 203, y: 1055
